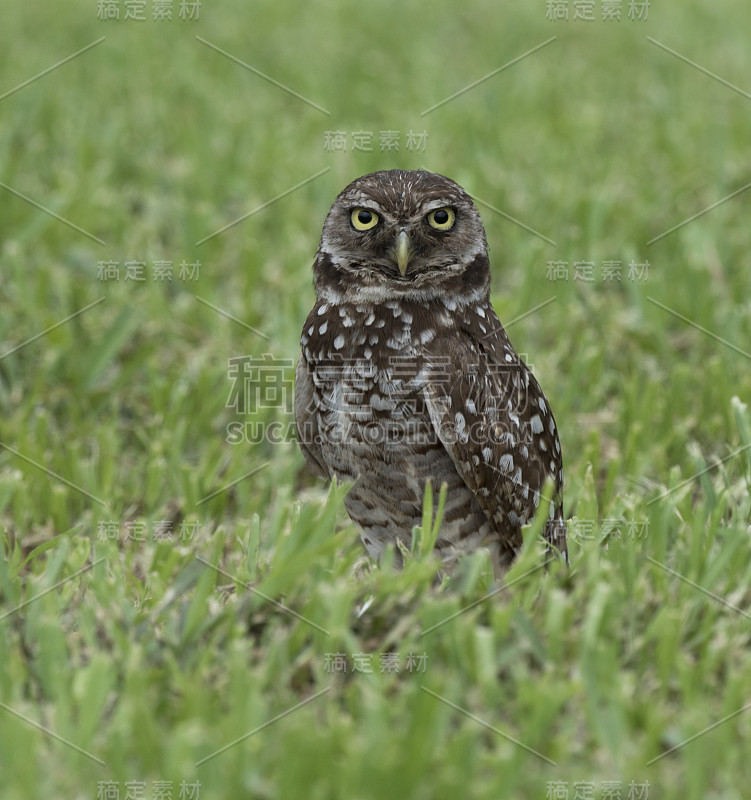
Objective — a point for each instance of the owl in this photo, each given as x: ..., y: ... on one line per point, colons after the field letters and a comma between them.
x: 407, y: 376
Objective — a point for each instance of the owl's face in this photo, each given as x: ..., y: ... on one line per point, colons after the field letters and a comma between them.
x: 397, y: 234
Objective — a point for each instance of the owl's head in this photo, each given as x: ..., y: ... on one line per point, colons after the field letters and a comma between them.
x: 402, y: 234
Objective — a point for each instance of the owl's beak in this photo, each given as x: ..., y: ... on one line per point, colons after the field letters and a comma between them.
x: 403, y: 252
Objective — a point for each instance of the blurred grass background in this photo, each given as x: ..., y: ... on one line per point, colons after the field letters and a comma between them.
x: 151, y: 660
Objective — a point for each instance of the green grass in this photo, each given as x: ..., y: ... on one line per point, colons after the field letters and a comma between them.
x: 152, y: 652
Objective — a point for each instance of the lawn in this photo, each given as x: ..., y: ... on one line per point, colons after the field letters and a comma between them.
x: 185, y: 611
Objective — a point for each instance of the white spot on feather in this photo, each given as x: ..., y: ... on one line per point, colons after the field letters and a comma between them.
x: 460, y: 423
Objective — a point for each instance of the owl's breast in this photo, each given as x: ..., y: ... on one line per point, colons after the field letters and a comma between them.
x: 369, y: 372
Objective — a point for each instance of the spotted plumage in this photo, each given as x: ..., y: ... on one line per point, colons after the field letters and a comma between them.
x: 406, y: 375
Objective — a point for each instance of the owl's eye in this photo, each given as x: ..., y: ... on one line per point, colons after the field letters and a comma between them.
x: 442, y: 219
x: 363, y: 220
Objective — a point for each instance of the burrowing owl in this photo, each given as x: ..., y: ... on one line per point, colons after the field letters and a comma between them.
x: 406, y: 375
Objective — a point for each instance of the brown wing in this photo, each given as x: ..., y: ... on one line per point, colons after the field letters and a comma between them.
x: 306, y: 419
x: 494, y: 421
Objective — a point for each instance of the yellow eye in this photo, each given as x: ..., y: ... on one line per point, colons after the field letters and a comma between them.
x: 442, y: 219
x: 363, y: 220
